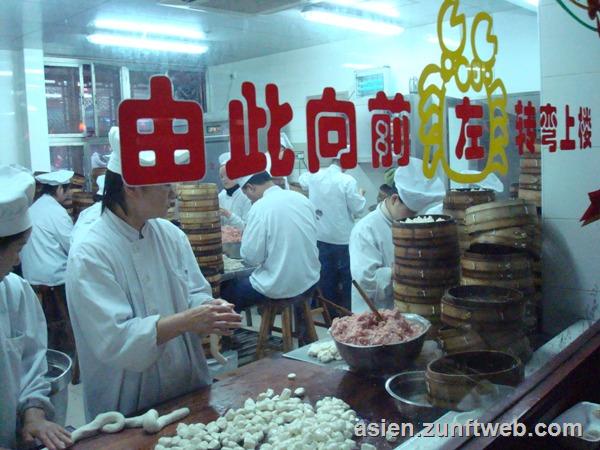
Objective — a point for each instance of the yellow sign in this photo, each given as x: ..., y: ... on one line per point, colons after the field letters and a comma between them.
x: 477, y: 75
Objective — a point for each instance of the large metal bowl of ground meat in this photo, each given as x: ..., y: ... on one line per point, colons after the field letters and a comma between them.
x: 369, y: 345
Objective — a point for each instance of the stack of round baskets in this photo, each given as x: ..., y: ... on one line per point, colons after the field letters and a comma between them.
x: 81, y: 200
x: 200, y: 220
x: 455, y: 204
x: 77, y: 188
x: 427, y: 258
x: 530, y: 179
x: 484, y: 318
x: 509, y: 223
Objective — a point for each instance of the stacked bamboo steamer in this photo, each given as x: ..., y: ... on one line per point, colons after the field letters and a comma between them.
x: 510, y: 223
x: 426, y: 257
x: 530, y: 179
x: 201, y: 221
x: 505, y: 267
x: 513, y: 223
x: 455, y: 204
x: 484, y: 318
x: 80, y: 201
x: 77, y: 187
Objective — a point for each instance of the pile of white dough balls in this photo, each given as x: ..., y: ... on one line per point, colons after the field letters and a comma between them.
x: 423, y: 219
x: 325, y: 352
x: 271, y: 422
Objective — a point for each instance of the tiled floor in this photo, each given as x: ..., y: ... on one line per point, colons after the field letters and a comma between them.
x: 75, y: 411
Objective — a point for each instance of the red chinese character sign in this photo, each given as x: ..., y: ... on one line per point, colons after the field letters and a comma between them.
x: 331, y: 131
x: 161, y: 140
x: 548, y: 124
x: 246, y: 118
x: 526, y: 127
x: 390, y: 130
x: 476, y: 75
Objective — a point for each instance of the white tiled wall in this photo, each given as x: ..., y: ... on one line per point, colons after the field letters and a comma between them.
x: 570, y: 63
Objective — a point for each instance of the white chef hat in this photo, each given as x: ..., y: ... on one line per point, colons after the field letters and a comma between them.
x: 284, y: 141
x: 415, y: 190
x: 490, y: 182
x: 224, y: 158
x: 17, y: 188
x: 100, y: 182
x: 243, y: 180
x: 56, y: 178
x: 114, y: 163
x: 147, y: 159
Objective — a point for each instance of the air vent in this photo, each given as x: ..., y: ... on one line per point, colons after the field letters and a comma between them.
x: 248, y: 7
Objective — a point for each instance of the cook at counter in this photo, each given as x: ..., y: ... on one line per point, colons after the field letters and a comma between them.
x: 139, y: 302
x: 234, y: 204
x: 24, y: 389
x: 280, y: 239
x: 371, y: 242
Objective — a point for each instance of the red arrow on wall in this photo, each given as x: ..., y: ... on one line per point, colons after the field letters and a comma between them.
x: 593, y: 212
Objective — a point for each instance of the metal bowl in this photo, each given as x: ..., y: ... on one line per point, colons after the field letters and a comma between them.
x: 382, y: 358
x: 60, y: 373
x: 232, y: 249
x: 409, y: 391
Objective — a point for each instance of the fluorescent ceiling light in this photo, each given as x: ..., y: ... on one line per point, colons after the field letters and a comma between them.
x: 379, y: 7
x: 149, y: 28
x: 147, y: 44
x: 6, y: 73
x: 358, y: 66
x: 368, y: 24
x: 531, y: 5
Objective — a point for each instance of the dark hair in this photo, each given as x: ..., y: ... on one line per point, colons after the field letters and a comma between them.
x: 260, y: 179
x: 387, y: 189
x: 114, y: 192
x: 5, y: 241
x: 47, y: 189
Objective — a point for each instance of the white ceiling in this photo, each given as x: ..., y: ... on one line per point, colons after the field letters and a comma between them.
x: 60, y: 27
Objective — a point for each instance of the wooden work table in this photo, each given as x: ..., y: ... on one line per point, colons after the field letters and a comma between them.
x: 367, y: 396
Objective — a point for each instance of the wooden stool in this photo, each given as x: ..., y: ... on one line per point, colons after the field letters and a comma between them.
x: 54, y: 304
x: 285, y: 307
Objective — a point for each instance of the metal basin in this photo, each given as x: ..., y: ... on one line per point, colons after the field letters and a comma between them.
x: 232, y: 249
x: 60, y: 373
x: 385, y: 358
x: 409, y: 391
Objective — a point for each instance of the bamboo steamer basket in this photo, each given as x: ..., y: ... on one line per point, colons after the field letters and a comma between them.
x: 457, y: 200
x: 535, y: 155
x: 199, y: 205
x: 492, y: 259
x: 448, y: 251
x: 480, y: 307
x: 78, y: 180
x: 500, y: 214
x: 434, y: 231
x: 451, y: 378
x: 419, y: 291
x: 197, y: 239
x: 417, y: 308
x: 427, y: 276
x: 454, y: 340
x: 530, y: 179
x: 197, y: 192
x: 428, y: 263
x: 531, y: 162
x: 534, y: 196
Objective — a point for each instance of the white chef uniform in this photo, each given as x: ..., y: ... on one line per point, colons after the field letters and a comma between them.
x: 44, y: 257
x: 23, y: 339
x: 89, y: 215
x: 120, y: 281
x: 336, y: 199
x: 281, y: 239
x: 372, y: 259
x: 239, y: 207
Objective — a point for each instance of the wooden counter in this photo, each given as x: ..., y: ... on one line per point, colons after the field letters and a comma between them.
x: 366, y: 396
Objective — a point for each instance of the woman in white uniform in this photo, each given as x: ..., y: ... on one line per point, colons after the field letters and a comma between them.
x: 139, y: 301
x: 234, y: 204
x: 24, y: 390
x: 89, y: 215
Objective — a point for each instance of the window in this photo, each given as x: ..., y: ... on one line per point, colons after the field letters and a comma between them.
x: 63, y: 100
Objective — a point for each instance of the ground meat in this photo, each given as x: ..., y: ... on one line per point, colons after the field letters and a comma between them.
x: 363, y: 329
x: 230, y: 234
